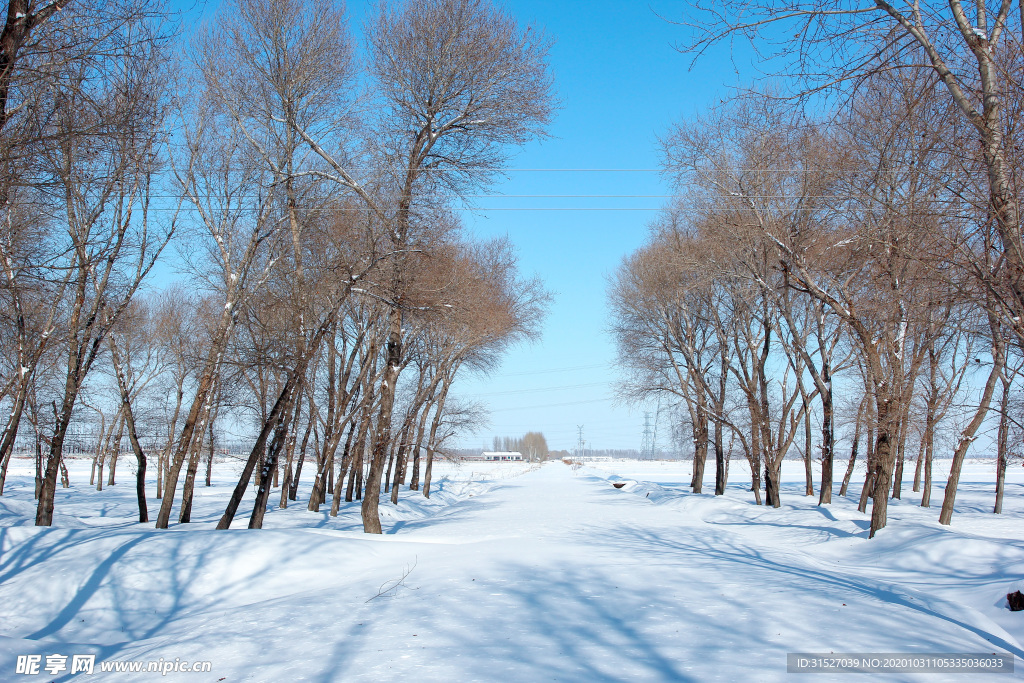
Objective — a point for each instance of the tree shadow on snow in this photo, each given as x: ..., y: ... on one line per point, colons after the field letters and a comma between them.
x: 577, y: 625
x: 806, y: 582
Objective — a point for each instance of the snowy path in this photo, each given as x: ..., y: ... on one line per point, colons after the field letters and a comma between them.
x: 550, y: 576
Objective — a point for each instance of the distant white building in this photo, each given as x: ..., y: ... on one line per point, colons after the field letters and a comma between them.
x: 498, y: 456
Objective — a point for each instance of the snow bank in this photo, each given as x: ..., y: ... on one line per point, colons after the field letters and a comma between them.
x: 510, y: 573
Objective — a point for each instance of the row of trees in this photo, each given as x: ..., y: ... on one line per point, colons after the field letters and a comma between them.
x: 873, y: 250
x: 532, y: 445
x: 331, y: 295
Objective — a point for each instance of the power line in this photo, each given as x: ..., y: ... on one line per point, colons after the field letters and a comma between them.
x: 552, y: 405
x: 531, y: 391
x: 553, y: 370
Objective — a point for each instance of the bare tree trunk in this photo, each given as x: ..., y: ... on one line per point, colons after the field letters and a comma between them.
x: 160, y: 458
x: 902, y: 430
x: 700, y: 446
x: 929, y: 450
x: 133, y: 436
x: 772, y: 494
x: 189, y: 487
x: 140, y: 475
x: 97, y: 456
x: 387, y: 475
x: 926, y: 493
x: 853, y: 449
x: 4, y: 462
x: 403, y: 480
x: 828, y: 445
x: 62, y: 419
x: 382, y: 437
x: 115, y: 450
x: 354, y: 470
x: 324, y: 480
x: 273, y: 454
x: 320, y: 484
x: 721, y: 458
x: 318, y: 495
x: 434, y: 425
x: 881, y: 468
x: 414, y: 484
x: 347, y: 456
x: 1002, y: 456
x: 206, y: 419
x: 918, y: 468
x: 852, y: 463
x: 207, y: 381
x: 754, y: 461
x: 401, y: 458
x: 330, y: 480
x: 286, y: 481
x: 869, y: 483
x: 360, y: 468
x: 428, y: 473
x: 280, y: 418
x: 293, y: 486
x: 869, y: 457
x: 211, y: 449
x: 290, y: 456
x: 39, y: 465
x: 967, y: 435
x: 754, y: 451
x: 270, y: 424
x: 897, y: 479
x: 808, y: 467
x: 721, y: 466
x: 771, y: 483
x: 184, y: 447
x: 11, y: 431
x: 161, y: 461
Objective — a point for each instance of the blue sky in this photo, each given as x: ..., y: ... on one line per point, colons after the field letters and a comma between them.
x: 621, y: 83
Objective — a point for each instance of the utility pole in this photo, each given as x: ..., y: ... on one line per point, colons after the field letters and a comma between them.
x: 579, y: 445
x: 645, y: 447
x: 654, y: 433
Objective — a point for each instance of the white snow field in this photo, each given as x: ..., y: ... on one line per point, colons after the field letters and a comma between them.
x: 511, y: 573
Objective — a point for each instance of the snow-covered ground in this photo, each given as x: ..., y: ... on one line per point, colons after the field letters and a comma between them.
x: 510, y: 573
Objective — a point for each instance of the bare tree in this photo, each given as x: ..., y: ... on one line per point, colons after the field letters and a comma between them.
x: 969, y: 50
x: 235, y: 253
x: 104, y: 176
x: 136, y: 359
x: 841, y: 227
x: 44, y: 52
x: 673, y: 328
x: 461, y: 84
x: 1007, y: 423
